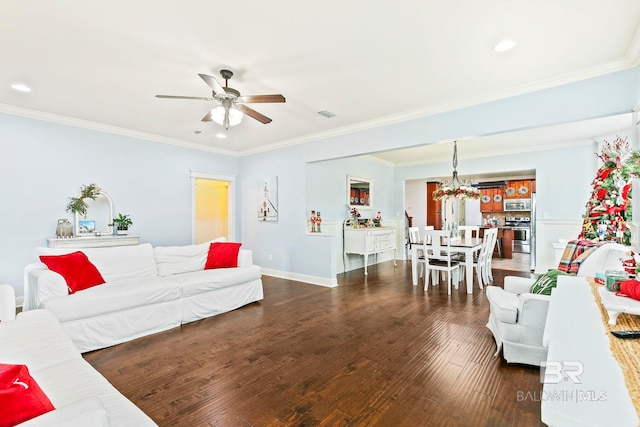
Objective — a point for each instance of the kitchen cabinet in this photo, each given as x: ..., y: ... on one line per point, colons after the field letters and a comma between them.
x: 491, y: 200
x: 434, y: 207
x: 520, y: 189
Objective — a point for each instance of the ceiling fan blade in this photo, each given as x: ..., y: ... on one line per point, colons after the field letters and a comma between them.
x: 207, y: 118
x: 213, y: 84
x: 262, y: 98
x: 253, y: 113
x: 203, y: 98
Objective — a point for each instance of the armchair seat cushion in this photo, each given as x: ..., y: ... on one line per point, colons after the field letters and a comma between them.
x: 504, y: 305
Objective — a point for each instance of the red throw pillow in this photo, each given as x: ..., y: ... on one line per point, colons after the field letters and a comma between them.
x: 222, y: 255
x: 21, y: 398
x: 77, y: 270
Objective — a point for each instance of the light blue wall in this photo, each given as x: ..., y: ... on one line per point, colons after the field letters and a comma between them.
x: 43, y: 164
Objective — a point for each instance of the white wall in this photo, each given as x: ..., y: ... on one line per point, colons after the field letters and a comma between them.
x: 43, y: 164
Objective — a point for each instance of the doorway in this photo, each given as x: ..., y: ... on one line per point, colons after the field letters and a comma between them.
x: 212, y: 211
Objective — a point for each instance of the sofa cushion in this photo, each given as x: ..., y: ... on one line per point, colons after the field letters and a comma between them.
x: 116, y: 263
x: 89, y: 412
x: 21, y: 398
x: 202, y: 281
x: 222, y: 255
x: 503, y: 304
x: 77, y: 270
x: 182, y: 259
x: 114, y: 296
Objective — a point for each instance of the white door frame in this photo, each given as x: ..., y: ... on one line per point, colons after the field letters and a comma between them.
x: 231, y: 223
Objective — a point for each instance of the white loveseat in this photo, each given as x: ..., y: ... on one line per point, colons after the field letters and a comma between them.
x: 81, y: 396
x: 517, y: 317
x: 146, y: 290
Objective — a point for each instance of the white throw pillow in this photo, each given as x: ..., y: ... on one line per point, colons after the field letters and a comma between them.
x: 182, y: 259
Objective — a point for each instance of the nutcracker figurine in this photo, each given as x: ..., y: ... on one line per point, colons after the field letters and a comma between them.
x: 318, y: 221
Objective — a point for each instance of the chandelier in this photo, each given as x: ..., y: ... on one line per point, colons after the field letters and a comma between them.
x: 456, y: 189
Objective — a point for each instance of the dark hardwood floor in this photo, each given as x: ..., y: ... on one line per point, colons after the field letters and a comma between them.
x: 375, y: 351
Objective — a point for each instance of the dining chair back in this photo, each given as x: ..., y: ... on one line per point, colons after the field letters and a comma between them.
x: 487, y: 275
x: 437, y: 257
x: 469, y: 231
x: 414, y: 234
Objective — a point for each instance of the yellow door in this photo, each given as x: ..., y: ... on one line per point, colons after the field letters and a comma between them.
x: 212, y: 213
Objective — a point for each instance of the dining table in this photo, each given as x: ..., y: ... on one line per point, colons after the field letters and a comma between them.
x: 468, y: 246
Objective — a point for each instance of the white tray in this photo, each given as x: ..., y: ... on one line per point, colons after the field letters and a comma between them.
x: 615, y: 304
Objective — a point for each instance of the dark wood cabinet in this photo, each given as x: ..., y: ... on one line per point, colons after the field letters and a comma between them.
x: 434, y: 207
x: 491, y: 200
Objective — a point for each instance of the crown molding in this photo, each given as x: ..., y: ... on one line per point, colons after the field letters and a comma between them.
x: 115, y: 130
x: 620, y: 64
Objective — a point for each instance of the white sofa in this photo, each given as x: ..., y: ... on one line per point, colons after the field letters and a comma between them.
x: 146, y: 290
x: 81, y: 396
x: 517, y: 318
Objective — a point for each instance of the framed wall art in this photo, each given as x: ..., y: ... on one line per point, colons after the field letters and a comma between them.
x: 268, y: 199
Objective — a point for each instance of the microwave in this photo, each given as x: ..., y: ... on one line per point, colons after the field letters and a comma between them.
x: 519, y: 205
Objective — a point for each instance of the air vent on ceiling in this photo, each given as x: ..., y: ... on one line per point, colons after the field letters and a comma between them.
x: 327, y: 114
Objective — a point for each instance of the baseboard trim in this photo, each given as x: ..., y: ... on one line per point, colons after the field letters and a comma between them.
x: 313, y: 280
x: 19, y: 301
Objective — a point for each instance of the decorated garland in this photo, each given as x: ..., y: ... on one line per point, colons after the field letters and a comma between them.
x: 461, y: 192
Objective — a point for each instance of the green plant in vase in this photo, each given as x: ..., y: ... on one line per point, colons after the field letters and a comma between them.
x: 122, y: 223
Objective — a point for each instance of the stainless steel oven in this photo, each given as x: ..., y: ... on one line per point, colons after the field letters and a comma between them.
x: 521, y: 240
x: 521, y: 233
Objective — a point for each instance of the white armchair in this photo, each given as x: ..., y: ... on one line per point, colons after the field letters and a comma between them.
x: 517, y: 317
x: 517, y: 320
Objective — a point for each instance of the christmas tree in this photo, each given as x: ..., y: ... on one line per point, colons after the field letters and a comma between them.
x: 609, y: 207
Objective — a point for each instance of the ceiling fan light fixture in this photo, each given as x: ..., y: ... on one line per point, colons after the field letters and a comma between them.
x: 218, y: 113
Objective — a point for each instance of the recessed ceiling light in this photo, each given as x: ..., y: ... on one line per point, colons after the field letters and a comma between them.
x: 20, y: 87
x: 221, y: 135
x: 505, y: 45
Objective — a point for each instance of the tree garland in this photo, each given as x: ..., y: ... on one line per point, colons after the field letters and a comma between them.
x: 609, y: 207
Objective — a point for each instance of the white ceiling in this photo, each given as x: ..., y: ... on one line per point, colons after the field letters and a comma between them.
x: 101, y: 63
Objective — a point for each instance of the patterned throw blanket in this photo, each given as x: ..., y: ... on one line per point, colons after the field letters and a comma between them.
x: 575, y: 252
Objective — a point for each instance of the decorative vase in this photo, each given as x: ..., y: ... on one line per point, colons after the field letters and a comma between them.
x: 64, y: 228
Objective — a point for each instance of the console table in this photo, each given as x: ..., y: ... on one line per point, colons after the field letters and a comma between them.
x: 583, y: 384
x: 368, y: 241
x: 93, y: 241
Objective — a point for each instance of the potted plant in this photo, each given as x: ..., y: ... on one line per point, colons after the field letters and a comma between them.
x: 122, y: 223
x: 79, y: 204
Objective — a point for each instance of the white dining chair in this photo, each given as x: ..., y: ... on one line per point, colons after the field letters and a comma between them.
x: 481, y: 264
x: 469, y: 231
x: 437, y: 257
x: 486, y: 270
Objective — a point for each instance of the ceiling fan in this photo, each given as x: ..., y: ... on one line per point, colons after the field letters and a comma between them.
x: 231, y: 108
